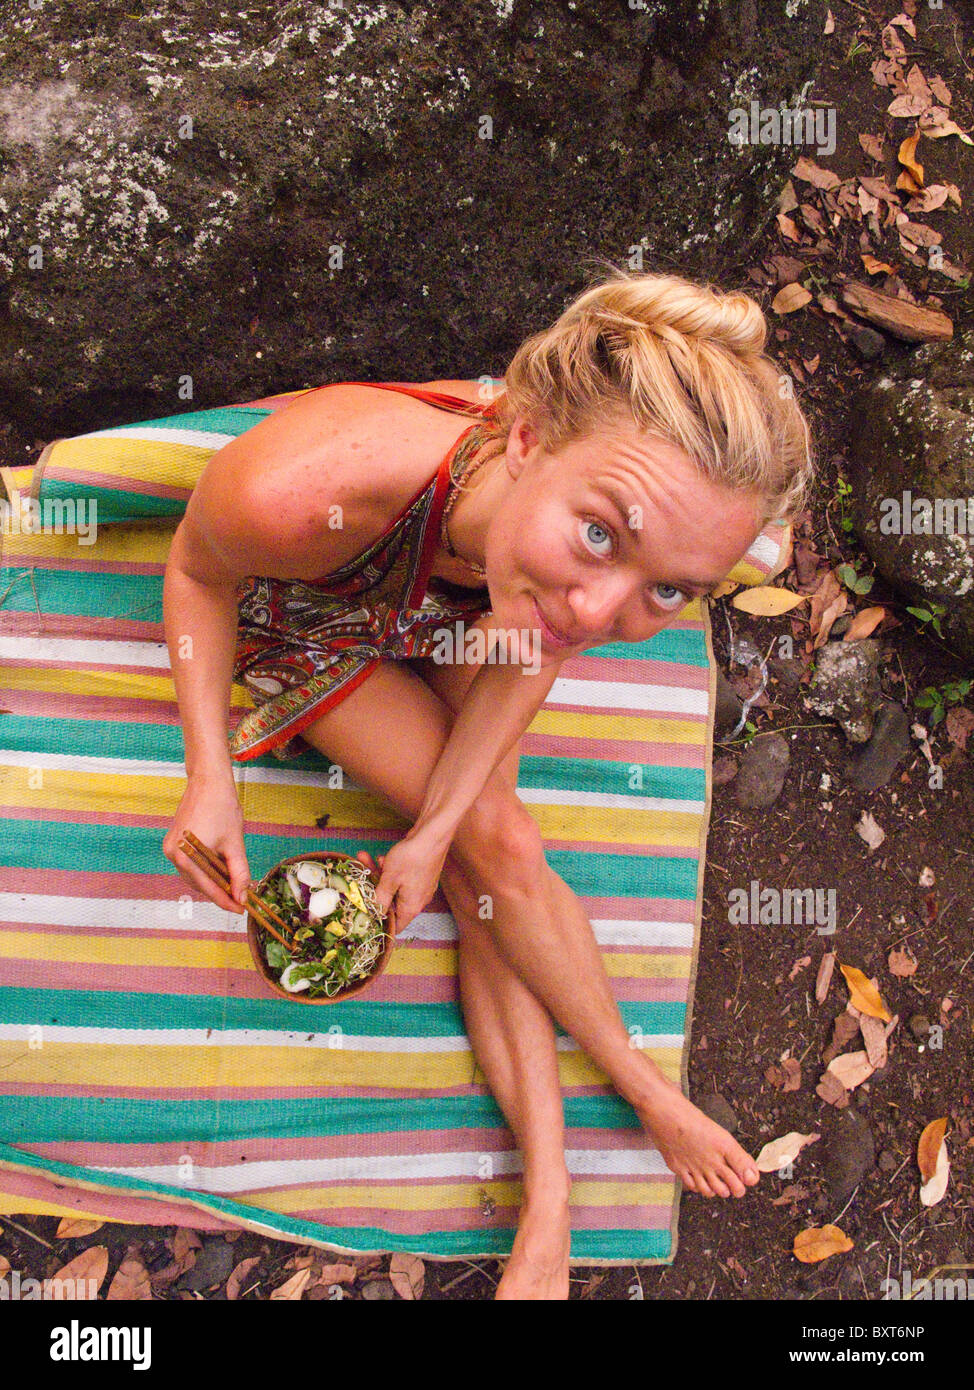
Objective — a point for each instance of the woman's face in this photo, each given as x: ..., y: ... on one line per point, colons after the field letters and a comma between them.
x: 557, y: 543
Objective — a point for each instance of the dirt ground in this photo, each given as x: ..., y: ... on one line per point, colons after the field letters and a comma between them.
x: 755, y: 999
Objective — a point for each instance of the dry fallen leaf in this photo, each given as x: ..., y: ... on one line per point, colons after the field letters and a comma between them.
x: 874, y: 1036
x: 810, y: 172
x: 908, y: 105
x: 929, y: 1146
x: 872, y: 145
x: 932, y: 1191
x: 851, y: 1068
x: 935, y: 124
x: 766, y: 601
x: 865, y: 621
x: 929, y: 199
x: 338, y: 1274
x: 905, y: 22
x: 238, y: 1275
x: 907, y: 157
x: 91, y: 1264
x: 788, y: 228
x: 831, y: 1090
x: 131, y: 1282
x: 780, y: 1152
x: 819, y: 1242
x: 959, y: 724
x: 294, y: 1287
x: 868, y: 830
x: 864, y: 994
x: 902, y: 963
x: 824, y: 977
x: 873, y: 265
x: 829, y: 23
x: 407, y: 1273
x: 792, y: 297
x: 71, y: 1227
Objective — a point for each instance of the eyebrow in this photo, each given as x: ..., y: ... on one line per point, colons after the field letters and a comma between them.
x: 621, y: 503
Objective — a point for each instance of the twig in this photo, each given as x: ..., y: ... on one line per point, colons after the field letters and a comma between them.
x: 24, y: 1231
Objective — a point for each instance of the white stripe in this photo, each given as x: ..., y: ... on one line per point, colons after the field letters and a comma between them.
x: 631, y: 695
x: 544, y: 796
x: 162, y: 434
x: 75, y: 650
x: 278, y: 1173
x: 764, y: 551
x: 332, y: 1039
x: 200, y: 918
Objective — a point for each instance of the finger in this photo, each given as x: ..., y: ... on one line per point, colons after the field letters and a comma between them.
x: 196, y: 878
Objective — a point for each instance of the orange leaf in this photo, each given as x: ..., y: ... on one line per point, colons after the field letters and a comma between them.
x: 792, y: 297
x: 71, y: 1227
x: 131, y: 1281
x: 91, y: 1265
x: 294, y: 1287
x: 238, y: 1274
x: 819, y: 1242
x: 865, y: 621
x: 929, y: 1147
x: 907, y: 157
x: 864, y: 994
x: 902, y: 963
x: 408, y: 1275
x: 908, y: 182
x: 874, y: 265
x: 766, y: 601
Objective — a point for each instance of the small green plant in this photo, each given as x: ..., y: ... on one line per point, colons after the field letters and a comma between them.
x: 844, y: 491
x: 852, y: 579
x: 931, y: 614
x: 951, y: 693
x: 855, y: 48
x: 750, y: 729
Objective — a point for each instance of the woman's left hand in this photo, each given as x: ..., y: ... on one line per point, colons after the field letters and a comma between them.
x: 410, y: 876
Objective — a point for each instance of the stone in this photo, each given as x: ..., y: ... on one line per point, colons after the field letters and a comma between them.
x: 911, y: 451
x: 716, y: 1108
x: 888, y: 745
x: 728, y: 708
x: 213, y: 1266
x: 869, y: 344
x: 378, y: 1289
x: 845, y: 686
x: 762, y: 772
x: 919, y: 1026
x: 281, y: 196
x: 887, y: 1161
x: 848, y: 1155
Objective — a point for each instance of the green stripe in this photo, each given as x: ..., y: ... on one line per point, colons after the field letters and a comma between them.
x: 493, y: 1240
x: 87, y: 738
x: 104, y: 505
x: 613, y: 778
x: 128, y: 1120
x: 137, y: 597
x: 220, y: 419
x: 686, y: 647
x: 81, y: 1008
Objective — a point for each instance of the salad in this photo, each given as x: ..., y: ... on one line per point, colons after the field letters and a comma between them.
x: 336, y: 926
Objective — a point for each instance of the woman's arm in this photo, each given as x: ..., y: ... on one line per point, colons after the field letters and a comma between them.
x: 498, y: 707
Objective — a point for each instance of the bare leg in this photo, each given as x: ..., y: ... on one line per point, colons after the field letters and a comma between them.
x: 514, y: 1043
x: 541, y: 930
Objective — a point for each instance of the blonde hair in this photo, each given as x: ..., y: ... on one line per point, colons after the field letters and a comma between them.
x: 681, y: 361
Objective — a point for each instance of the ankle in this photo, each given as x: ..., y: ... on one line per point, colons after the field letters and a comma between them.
x: 546, y: 1192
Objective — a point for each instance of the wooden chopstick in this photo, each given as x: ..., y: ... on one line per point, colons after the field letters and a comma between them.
x: 206, y: 859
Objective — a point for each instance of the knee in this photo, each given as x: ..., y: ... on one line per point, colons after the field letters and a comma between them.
x: 499, y: 842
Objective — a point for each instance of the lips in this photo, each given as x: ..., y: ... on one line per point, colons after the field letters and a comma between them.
x: 557, y: 638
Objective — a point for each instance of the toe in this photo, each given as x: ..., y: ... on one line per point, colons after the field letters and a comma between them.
x: 732, y: 1181
x: 718, y: 1185
x: 702, y: 1185
x: 686, y: 1177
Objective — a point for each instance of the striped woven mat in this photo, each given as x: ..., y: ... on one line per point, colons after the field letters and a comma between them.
x: 145, y: 1074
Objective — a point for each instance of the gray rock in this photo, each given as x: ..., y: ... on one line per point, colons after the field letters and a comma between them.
x: 911, y: 465
x: 919, y: 1026
x: 717, y: 1109
x: 763, y: 771
x: 213, y: 1265
x: 845, y: 686
x: 378, y: 1289
x: 887, y: 747
x: 338, y: 208
x: 869, y: 344
x: 849, y: 1155
x: 728, y: 707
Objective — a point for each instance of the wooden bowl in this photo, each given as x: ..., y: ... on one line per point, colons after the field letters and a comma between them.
x: 254, y: 933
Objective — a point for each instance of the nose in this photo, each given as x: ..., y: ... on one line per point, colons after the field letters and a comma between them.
x: 609, y: 605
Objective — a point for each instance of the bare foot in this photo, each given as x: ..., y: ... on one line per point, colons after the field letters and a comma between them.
x: 537, y: 1267
x: 702, y: 1154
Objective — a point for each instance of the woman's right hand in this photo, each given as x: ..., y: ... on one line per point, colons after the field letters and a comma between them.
x: 211, y: 810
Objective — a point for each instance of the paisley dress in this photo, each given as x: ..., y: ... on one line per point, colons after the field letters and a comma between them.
x: 304, y: 645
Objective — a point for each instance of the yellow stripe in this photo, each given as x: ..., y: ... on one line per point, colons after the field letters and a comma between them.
x: 192, y: 953
x: 127, y: 456
x: 11, y: 1205
x: 136, y: 542
x: 64, y: 790
x: 47, y: 680
x: 636, y: 728
x: 243, y: 1068
x: 637, y: 1192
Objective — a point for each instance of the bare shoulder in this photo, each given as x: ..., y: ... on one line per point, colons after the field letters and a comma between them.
x: 313, y: 484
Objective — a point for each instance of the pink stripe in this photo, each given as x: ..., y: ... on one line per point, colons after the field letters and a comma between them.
x: 115, y: 482
x: 538, y: 745
x: 269, y: 1093
x: 26, y: 624
x: 391, y: 1143
x: 97, y: 566
x: 633, y: 670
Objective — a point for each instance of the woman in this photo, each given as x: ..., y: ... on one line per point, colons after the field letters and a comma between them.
x: 638, y: 448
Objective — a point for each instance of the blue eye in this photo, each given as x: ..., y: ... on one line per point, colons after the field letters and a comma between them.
x: 678, y: 594
x: 606, y: 533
